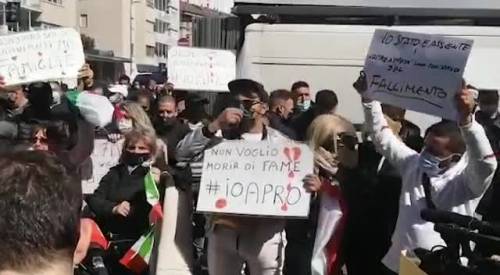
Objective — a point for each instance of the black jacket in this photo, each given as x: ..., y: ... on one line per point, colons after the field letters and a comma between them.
x: 301, y: 123
x: 276, y: 122
x: 116, y: 186
x: 171, y: 135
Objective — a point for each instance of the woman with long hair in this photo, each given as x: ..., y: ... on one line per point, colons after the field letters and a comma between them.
x: 314, y: 244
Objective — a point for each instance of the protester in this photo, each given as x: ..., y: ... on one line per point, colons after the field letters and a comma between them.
x: 280, y: 112
x: 451, y: 173
x: 232, y: 241
x: 39, y: 215
x: 124, y: 80
x: 314, y: 245
x: 409, y: 132
x: 168, y: 127
x: 326, y: 103
x: 18, y: 101
x: 488, y: 116
x: 146, y: 101
x: 301, y: 95
x: 120, y: 201
x: 118, y: 93
x: 195, y: 112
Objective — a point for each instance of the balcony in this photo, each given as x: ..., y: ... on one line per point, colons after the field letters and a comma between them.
x: 33, y: 5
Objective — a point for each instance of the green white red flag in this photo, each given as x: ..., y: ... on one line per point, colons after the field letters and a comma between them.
x: 138, y: 256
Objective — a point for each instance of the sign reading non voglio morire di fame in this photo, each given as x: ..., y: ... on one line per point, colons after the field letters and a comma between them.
x: 418, y: 72
x: 40, y: 55
x: 256, y: 178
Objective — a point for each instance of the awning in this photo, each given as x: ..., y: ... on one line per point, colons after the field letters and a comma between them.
x: 143, y: 68
x: 104, y: 58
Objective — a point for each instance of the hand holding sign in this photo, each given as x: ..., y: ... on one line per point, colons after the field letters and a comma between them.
x: 465, y: 105
x: 257, y: 178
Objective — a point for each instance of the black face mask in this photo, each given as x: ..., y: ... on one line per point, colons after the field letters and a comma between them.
x: 134, y: 159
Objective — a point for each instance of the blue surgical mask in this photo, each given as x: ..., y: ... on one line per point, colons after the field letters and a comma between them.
x: 304, y: 106
x: 432, y: 164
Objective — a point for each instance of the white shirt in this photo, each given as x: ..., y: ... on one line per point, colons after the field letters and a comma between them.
x: 458, y: 190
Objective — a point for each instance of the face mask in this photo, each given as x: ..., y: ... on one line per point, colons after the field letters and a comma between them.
x: 247, y: 114
x: 134, y: 159
x: 432, y: 164
x: 304, y: 106
x: 125, y: 125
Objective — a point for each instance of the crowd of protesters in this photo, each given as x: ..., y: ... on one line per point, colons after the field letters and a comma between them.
x: 367, y: 193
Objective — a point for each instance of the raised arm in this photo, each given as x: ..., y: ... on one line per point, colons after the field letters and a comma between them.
x: 385, y: 141
x: 197, y: 140
x: 481, y: 161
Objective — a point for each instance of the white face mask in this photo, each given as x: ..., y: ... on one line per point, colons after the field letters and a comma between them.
x: 125, y: 125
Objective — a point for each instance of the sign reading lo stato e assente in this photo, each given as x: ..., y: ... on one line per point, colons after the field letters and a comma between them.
x: 419, y: 72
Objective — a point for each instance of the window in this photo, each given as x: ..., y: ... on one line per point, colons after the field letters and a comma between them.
x: 161, y: 50
x: 150, y: 51
x: 84, y: 21
x: 54, y: 1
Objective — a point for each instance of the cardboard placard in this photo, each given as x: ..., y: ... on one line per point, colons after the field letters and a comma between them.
x: 418, y: 72
x: 105, y: 155
x: 256, y: 178
x: 41, y: 55
x: 201, y: 69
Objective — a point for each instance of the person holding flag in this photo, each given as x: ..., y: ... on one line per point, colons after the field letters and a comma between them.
x: 127, y: 203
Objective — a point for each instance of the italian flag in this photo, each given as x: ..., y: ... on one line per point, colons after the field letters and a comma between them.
x: 137, y: 258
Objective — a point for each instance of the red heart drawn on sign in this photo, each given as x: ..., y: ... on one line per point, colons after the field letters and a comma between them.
x: 221, y: 203
x: 291, y: 174
x: 286, y: 151
x: 284, y: 207
x: 296, y: 153
x: 289, y: 188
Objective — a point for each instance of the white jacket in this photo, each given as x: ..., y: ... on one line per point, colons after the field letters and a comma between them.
x: 459, y: 189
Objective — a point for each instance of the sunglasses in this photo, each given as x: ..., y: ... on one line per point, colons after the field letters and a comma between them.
x: 341, y: 140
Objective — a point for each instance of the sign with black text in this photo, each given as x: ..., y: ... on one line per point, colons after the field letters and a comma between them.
x: 256, y: 178
x: 41, y: 55
x: 418, y: 72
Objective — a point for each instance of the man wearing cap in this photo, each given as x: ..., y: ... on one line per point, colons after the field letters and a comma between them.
x: 117, y: 93
x: 233, y: 241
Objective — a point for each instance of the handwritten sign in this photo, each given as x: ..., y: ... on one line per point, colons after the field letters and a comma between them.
x: 40, y: 55
x: 256, y: 179
x: 419, y: 72
x: 201, y: 69
x: 105, y: 155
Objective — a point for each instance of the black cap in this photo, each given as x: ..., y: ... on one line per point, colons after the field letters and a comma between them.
x: 248, y: 86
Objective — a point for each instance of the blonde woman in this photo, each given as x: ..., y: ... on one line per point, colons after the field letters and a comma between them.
x: 314, y: 244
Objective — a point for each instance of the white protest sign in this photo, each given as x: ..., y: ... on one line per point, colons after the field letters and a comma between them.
x: 201, y: 69
x: 40, y: 55
x: 256, y: 178
x: 105, y: 155
x: 418, y: 72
